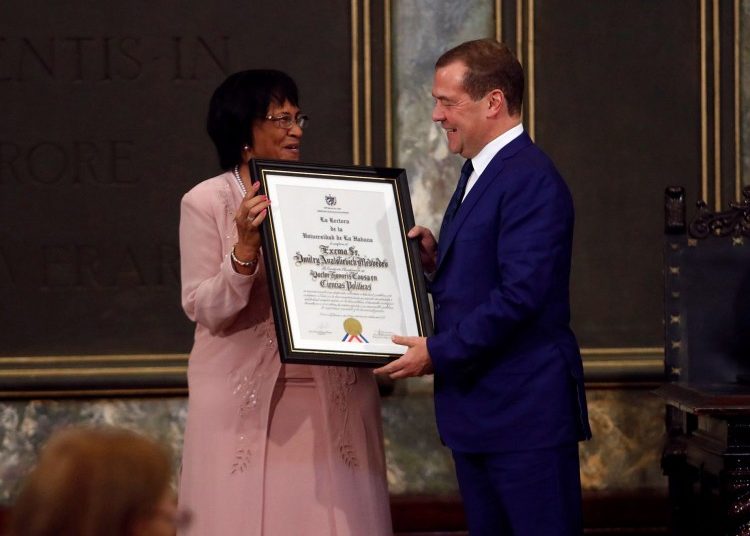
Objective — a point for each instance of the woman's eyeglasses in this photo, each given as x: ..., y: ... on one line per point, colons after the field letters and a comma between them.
x: 286, y: 120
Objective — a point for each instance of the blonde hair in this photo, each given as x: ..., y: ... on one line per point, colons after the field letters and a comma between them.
x: 91, y: 482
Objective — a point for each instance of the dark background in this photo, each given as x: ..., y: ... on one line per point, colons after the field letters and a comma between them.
x: 618, y: 97
x: 102, y: 131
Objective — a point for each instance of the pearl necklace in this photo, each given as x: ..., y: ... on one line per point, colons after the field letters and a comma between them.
x: 236, y: 172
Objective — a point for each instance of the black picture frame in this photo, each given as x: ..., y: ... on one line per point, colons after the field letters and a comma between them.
x: 321, y: 283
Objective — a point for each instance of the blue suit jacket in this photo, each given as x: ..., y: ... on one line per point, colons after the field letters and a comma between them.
x: 508, y: 372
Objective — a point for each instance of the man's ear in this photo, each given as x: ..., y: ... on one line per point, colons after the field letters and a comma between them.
x: 496, y: 101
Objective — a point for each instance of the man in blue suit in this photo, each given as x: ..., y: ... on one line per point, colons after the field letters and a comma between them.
x: 509, y: 392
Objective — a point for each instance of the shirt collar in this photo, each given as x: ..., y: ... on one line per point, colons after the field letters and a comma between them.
x: 488, y: 152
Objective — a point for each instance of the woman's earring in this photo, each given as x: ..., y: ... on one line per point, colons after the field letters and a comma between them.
x: 246, y: 147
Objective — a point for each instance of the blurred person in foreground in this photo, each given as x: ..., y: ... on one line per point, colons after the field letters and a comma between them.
x: 98, y: 482
x: 269, y: 448
x: 509, y: 391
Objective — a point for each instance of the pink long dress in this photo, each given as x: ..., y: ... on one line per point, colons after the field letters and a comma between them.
x: 269, y: 450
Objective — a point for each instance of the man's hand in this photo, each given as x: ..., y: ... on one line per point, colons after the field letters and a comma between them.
x: 427, y: 248
x: 415, y: 362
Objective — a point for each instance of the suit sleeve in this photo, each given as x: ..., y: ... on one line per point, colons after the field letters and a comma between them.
x: 532, y: 242
x: 212, y: 292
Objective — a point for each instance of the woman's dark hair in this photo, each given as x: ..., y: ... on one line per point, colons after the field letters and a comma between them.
x: 240, y: 100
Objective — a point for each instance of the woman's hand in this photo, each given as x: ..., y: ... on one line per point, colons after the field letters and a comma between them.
x: 250, y: 215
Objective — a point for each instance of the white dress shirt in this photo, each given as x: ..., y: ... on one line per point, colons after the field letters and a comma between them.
x: 488, y: 152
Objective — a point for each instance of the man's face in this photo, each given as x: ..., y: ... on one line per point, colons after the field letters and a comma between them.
x: 463, y: 119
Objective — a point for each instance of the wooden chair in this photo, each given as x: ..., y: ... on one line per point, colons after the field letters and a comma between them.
x: 707, y: 366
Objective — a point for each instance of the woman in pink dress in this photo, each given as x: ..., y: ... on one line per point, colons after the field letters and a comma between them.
x: 270, y: 449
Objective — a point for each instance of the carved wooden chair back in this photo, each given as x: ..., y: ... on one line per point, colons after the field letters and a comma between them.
x: 707, y: 291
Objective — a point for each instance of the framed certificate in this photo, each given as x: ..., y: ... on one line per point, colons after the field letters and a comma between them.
x: 342, y: 274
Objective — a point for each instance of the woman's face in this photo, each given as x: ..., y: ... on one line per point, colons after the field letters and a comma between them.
x: 273, y: 142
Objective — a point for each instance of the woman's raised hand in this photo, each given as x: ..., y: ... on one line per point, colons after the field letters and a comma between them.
x: 250, y: 215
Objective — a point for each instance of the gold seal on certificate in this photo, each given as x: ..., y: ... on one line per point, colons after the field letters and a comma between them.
x: 343, y: 276
x: 353, y: 329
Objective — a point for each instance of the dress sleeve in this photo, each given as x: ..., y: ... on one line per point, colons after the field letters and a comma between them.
x: 213, y: 293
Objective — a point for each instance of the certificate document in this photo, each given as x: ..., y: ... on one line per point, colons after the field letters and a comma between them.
x: 343, y: 276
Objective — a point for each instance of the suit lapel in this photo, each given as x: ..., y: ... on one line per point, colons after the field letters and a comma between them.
x: 489, y: 175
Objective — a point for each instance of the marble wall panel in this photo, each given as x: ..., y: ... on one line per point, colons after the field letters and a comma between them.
x: 26, y: 424
x: 420, y: 35
x: 628, y: 437
x: 628, y: 431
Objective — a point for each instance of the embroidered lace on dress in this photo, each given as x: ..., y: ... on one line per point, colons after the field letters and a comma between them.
x: 246, y: 391
x: 341, y: 381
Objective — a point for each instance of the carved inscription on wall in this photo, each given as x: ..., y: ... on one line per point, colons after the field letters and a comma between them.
x: 97, y: 248
x: 69, y: 162
x: 101, y: 133
x: 106, y: 58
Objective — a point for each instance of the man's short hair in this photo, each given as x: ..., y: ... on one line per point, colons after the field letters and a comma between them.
x: 490, y: 65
